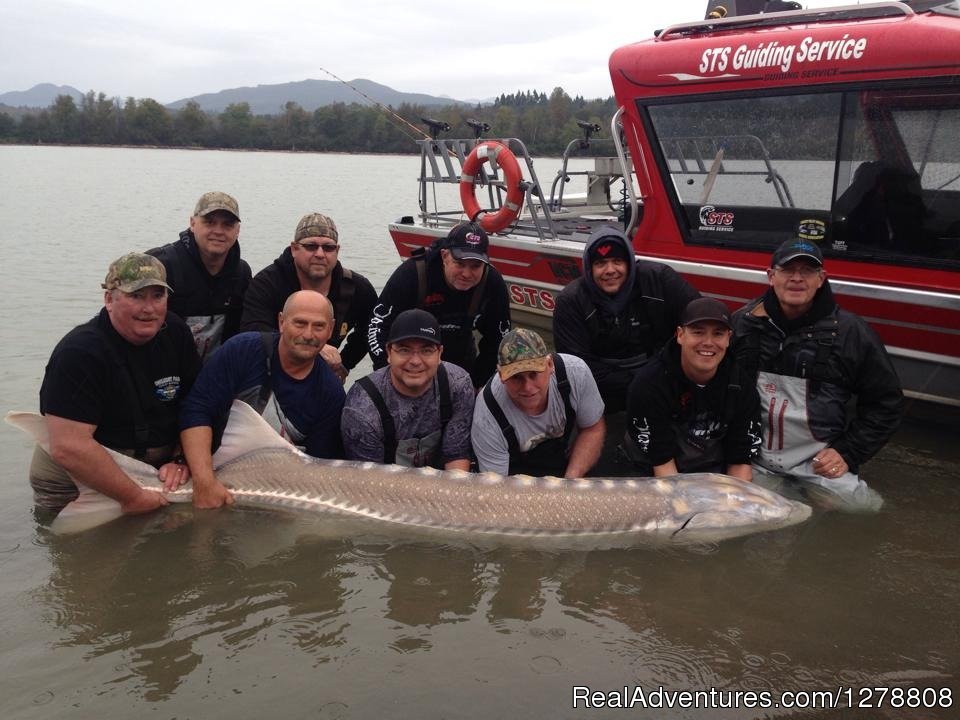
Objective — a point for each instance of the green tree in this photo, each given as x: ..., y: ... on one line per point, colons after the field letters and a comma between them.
x: 192, y: 126
x: 64, y: 121
x: 236, y: 126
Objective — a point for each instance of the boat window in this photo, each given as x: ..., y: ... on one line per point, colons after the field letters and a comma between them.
x: 871, y: 174
x: 898, y: 180
x: 751, y: 171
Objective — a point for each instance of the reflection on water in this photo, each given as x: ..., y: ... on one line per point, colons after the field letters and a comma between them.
x: 245, y: 613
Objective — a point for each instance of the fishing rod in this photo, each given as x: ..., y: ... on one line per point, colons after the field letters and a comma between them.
x: 381, y: 106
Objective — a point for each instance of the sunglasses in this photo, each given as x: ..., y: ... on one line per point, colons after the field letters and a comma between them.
x: 313, y: 247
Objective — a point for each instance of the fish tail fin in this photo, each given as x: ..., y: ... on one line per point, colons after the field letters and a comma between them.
x: 91, y: 508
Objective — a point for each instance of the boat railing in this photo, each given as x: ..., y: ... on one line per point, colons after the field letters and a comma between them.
x: 441, y: 163
x: 707, y: 155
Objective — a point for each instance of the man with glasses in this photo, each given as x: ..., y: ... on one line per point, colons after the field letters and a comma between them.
x: 311, y: 262
x: 416, y: 411
x: 810, y: 358
x: 205, y: 267
x: 455, y: 282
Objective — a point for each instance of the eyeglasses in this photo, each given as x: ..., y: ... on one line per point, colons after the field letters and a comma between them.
x: 405, y: 353
x: 313, y: 247
x: 803, y: 270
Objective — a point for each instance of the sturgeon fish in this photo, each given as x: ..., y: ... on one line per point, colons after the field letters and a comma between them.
x: 261, y: 468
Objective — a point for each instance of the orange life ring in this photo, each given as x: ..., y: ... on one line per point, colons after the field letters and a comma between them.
x: 498, y: 155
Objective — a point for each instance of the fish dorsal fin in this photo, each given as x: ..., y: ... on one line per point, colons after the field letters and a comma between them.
x: 246, y: 431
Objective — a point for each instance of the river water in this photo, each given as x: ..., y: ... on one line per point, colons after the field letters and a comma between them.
x: 246, y: 613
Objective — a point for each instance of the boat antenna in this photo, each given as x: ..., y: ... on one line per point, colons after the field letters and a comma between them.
x: 479, y: 127
x: 383, y: 107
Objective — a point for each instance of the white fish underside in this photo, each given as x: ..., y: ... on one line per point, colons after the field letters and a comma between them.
x: 262, y: 469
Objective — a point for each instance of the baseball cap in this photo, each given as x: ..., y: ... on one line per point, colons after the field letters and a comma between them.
x: 415, y: 325
x: 315, y: 225
x: 521, y: 350
x: 468, y: 241
x: 135, y: 271
x: 212, y: 201
x: 705, y: 309
x: 796, y: 248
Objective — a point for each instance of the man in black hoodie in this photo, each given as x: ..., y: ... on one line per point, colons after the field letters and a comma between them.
x: 204, y: 266
x: 619, y: 313
x: 810, y: 357
x: 312, y: 262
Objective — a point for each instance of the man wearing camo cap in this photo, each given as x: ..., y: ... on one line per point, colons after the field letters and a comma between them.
x: 116, y: 381
x: 205, y: 269
x: 541, y: 413
x: 312, y: 262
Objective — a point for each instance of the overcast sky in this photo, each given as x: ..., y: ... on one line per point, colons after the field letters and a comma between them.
x: 179, y: 48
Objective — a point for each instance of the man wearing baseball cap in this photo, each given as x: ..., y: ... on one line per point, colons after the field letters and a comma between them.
x: 205, y: 268
x: 416, y: 411
x: 687, y: 410
x: 541, y: 413
x: 312, y: 262
x: 810, y: 357
x: 116, y: 381
x: 619, y: 313
x: 454, y: 282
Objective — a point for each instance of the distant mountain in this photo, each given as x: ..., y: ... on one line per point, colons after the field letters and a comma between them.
x: 309, y: 94
x: 39, y: 96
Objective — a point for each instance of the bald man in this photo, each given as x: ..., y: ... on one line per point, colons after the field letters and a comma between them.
x: 282, y: 376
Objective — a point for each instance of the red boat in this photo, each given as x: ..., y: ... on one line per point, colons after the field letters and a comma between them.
x: 733, y: 134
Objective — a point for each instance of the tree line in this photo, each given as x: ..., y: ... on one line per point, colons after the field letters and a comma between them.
x: 545, y: 123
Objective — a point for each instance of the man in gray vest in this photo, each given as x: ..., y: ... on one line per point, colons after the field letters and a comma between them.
x: 416, y: 411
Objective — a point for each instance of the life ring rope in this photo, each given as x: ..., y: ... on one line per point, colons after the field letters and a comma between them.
x: 499, y: 156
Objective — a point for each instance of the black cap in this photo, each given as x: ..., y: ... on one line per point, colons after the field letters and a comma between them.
x: 468, y: 241
x: 705, y: 309
x: 603, y: 249
x: 796, y: 248
x: 415, y: 325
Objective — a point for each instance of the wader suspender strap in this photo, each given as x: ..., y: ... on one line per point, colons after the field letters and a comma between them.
x: 344, y: 299
x: 446, y: 404
x: 824, y: 347
x: 386, y: 420
x: 421, y: 262
x: 267, y: 339
x: 563, y: 385
x: 509, y: 434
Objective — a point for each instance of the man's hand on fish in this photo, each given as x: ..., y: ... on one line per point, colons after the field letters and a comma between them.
x: 143, y: 501
x: 173, y: 475
x: 829, y: 463
x: 211, y: 494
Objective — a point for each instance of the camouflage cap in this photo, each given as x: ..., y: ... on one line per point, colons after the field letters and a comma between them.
x: 521, y: 350
x: 135, y: 271
x: 315, y: 225
x: 212, y: 201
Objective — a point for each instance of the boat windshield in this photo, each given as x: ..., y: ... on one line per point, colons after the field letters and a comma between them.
x: 867, y: 174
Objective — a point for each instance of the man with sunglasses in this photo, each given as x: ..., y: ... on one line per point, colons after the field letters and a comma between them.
x: 810, y: 358
x: 205, y: 267
x: 311, y: 262
x: 416, y: 411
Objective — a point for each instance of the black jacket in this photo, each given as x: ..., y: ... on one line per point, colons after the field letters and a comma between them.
x: 614, y: 343
x: 351, y: 294
x: 703, y: 429
x: 451, y: 308
x: 841, y: 355
x: 198, y: 293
